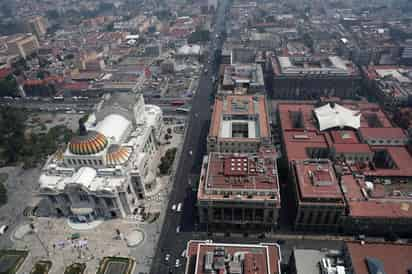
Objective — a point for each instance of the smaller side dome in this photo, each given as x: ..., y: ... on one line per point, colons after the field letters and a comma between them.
x: 117, y: 155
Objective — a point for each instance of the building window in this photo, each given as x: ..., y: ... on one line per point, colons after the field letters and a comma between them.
x: 301, y: 216
x: 100, y: 162
x: 53, y: 199
x: 84, y: 197
x: 109, y: 202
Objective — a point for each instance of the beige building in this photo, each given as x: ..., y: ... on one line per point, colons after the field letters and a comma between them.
x: 23, y: 45
x: 239, y: 190
x: 38, y: 26
x: 240, y: 123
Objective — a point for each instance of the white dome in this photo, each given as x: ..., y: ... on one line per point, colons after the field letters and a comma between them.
x: 113, y: 126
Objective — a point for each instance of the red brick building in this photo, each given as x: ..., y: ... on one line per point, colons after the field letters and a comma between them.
x: 207, y: 257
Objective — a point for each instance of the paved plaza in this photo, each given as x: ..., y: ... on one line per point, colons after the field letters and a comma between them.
x: 52, y: 237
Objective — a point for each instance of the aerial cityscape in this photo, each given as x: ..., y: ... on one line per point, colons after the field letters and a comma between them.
x: 206, y: 137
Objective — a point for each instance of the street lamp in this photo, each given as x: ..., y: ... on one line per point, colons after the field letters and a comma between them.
x: 38, y: 238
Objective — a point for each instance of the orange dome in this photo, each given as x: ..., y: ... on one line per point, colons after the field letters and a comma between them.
x: 117, y: 155
x: 91, y: 143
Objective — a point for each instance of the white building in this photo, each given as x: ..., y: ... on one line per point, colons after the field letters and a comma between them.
x: 109, y: 166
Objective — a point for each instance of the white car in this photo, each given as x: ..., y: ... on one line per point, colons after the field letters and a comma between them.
x: 177, y: 264
x: 179, y: 207
x: 167, y: 257
x: 183, y: 253
x: 174, y: 207
x: 3, y: 229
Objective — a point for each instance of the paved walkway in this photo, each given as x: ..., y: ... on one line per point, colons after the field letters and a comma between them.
x: 52, y: 241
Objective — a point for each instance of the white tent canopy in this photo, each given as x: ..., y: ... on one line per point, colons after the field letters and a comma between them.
x: 331, y: 116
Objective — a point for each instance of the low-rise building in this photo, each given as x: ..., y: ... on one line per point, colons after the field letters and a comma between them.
x: 239, y: 190
x: 312, y: 77
x: 367, y: 258
x: 391, y: 84
x: 249, y: 76
x: 207, y: 257
x: 369, y: 160
x: 311, y: 261
x: 240, y: 123
x: 109, y: 167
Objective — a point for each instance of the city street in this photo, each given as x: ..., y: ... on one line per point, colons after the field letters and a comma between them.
x: 173, y: 239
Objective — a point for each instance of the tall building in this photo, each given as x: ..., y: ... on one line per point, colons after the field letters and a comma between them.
x: 319, y: 201
x: 312, y: 77
x: 38, y: 26
x: 239, y: 190
x: 108, y: 168
x: 240, y: 123
x: 205, y: 257
x: 23, y: 45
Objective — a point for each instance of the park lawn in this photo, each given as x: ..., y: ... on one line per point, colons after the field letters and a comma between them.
x: 116, y: 265
x: 41, y: 267
x: 11, y: 260
x: 76, y: 268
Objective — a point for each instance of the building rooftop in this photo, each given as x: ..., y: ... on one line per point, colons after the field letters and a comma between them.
x: 375, y: 199
x: 310, y: 261
x: 383, y: 133
x: 317, y: 182
x: 240, y: 117
x: 325, y: 66
x: 240, y: 74
x: 387, y: 257
x: 393, y: 81
x: 204, y: 257
x: 240, y: 176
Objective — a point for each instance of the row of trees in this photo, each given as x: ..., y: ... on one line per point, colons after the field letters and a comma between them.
x: 16, y: 146
x: 166, y: 161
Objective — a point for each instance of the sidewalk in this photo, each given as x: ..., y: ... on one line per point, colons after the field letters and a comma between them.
x: 285, y: 236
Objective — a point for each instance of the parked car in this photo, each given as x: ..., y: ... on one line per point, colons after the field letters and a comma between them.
x: 179, y: 207
x: 3, y: 229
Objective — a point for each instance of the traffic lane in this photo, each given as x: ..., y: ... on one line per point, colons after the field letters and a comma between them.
x: 177, y: 195
x: 169, y: 238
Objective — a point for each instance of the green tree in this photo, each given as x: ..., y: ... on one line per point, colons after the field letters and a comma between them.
x: 8, y: 86
x: 198, y: 36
